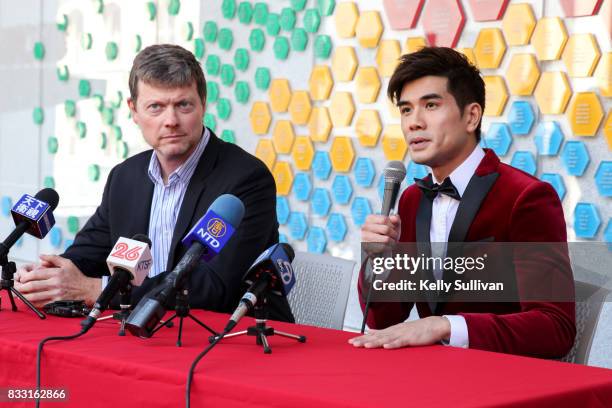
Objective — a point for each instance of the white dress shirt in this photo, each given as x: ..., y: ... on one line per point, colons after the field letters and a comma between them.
x: 443, y: 213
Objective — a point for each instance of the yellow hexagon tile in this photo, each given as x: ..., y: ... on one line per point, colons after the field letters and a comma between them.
x: 344, y: 63
x: 319, y: 124
x: 346, y: 15
x: 280, y: 94
x: 490, y: 48
x: 283, y: 136
x: 342, y: 154
x: 368, y: 84
x: 369, y: 29
x: 368, y: 127
x: 603, y: 73
x: 585, y: 113
x: 260, y: 118
x: 581, y: 54
x: 413, y: 44
x: 608, y: 130
x: 552, y: 93
x: 283, y: 176
x: 303, y: 152
x: 393, y: 109
x: 518, y: 24
x: 549, y: 38
x: 265, y: 152
x: 300, y: 107
x: 495, y: 95
x: 523, y: 74
x: 320, y: 83
x: 342, y: 109
x: 387, y: 57
x: 469, y: 53
x: 394, y: 143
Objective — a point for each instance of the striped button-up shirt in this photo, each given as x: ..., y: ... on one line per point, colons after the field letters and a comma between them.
x: 166, y: 203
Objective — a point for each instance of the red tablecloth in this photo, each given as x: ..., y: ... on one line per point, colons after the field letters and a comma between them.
x: 102, y: 369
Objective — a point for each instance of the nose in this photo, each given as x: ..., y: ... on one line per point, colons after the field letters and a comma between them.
x: 170, y: 118
x: 415, y: 120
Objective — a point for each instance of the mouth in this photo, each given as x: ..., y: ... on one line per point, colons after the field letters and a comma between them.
x: 418, y: 142
x: 173, y: 136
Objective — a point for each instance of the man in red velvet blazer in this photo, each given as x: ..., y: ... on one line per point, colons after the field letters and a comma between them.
x: 470, y: 196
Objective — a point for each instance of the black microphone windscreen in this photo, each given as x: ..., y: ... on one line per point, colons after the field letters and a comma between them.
x: 142, y: 238
x: 49, y: 196
x: 289, y: 251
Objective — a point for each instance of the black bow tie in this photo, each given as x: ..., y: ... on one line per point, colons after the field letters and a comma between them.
x: 431, y: 189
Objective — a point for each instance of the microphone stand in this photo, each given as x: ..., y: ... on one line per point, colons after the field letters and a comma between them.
x: 125, y: 303
x: 7, y: 283
x: 261, y: 331
x: 182, y: 310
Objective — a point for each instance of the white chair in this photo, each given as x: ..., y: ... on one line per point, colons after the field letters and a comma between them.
x: 321, y: 290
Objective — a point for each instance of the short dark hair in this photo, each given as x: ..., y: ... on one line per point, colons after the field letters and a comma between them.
x: 166, y: 65
x: 464, y: 80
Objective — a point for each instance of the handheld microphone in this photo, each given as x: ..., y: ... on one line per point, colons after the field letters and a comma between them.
x: 129, y: 263
x: 205, y: 240
x: 271, y: 271
x: 394, y: 173
x: 33, y: 215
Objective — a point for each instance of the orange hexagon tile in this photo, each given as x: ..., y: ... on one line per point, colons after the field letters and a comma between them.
x: 260, y: 118
x: 387, y: 57
x: 280, y: 94
x: 469, y: 53
x: 283, y: 136
x: 518, y: 24
x: 413, y: 44
x: 603, y: 73
x: 393, y: 109
x: 394, y: 143
x: 584, y: 113
x: 344, y: 63
x: 523, y: 74
x: 552, y: 93
x: 341, y: 109
x: 319, y: 124
x: 549, y: 38
x: 369, y: 29
x: 346, y: 15
x: 300, y: 107
x: 496, y: 95
x: 342, y: 153
x: 302, y: 153
x: 580, y: 55
x: 368, y: 84
x: 321, y: 82
x: 368, y: 127
x: 265, y: 152
x: 490, y: 48
x: 608, y: 130
x: 283, y: 176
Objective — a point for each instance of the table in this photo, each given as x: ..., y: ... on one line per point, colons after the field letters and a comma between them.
x: 102, y: 369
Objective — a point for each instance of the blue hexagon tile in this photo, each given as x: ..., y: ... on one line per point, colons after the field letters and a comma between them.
x: 521, y: 118
x: 321, y: 202
x: 525, y: 161
x: 603, y: 178
x: 586, y: 220
x: 68, y: 243
x: 321, y: 165
x: 342, y: 189
x: 415, y: 170
x: 6, y: 205
x: 316, y: 240
x: 282, y: 209
x: 336, y: 226
x: 360, y: 209
x: 608, y: 234
x: 575, y: 157
x: 548, y: 138
x: 557, y: 182
x: 302, y: 186
x: 282, y: 238
x: 498, y: 138
x: 297, y: 225
x: 364, y: 172
x: 380, y: 187
x: 55, y: 237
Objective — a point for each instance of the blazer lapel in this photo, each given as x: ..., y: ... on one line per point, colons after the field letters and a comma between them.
x: 196, y: 187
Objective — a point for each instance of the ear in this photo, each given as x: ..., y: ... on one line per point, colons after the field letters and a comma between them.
x: 472, y: 116
x: 132, y: 106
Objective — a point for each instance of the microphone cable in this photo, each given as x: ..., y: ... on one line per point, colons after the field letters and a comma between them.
x: 195, y: 363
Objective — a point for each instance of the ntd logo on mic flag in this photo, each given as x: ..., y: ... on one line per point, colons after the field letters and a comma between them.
x: 211, y: 231
x: 35, y: 212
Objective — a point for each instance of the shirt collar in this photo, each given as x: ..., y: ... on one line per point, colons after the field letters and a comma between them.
x: 461, y: 175
x: 184, y: 171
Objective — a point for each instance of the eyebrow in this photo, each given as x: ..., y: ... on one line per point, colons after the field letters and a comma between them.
x: 422, y: 98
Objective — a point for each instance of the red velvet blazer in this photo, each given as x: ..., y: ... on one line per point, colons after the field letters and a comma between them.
x: 510, y: 206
